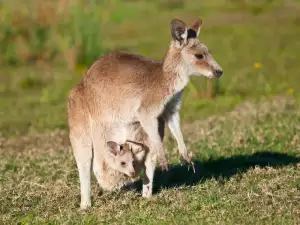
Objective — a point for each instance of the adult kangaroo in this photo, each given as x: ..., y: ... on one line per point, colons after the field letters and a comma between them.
x: 120, y: 89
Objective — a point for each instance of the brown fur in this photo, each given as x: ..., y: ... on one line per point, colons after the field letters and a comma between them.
x: 112, y: 179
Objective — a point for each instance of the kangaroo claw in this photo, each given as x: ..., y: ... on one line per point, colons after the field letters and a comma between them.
x: 186, y: 160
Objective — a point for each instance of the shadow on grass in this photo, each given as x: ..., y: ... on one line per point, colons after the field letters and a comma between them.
x: 220, y: 168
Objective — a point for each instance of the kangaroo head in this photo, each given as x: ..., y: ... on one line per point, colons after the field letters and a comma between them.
x: 121, y: 158
x: 192, y: 56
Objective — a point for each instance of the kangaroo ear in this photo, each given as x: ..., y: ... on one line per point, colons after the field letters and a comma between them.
x: 194, y: 31
x: 179, y: 31
x: 135, y: 145
x: 113, y: 148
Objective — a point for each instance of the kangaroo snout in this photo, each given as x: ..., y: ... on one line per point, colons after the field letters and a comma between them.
x: 131, y: 174
x: 218, y: 72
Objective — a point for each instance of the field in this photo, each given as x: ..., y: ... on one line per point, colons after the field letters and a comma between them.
x: 243, y: 130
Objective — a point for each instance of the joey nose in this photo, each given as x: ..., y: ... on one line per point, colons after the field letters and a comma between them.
x: 132, y: 174
x: 219, y: 72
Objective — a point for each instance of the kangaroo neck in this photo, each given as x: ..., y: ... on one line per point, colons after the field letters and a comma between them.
x: 174, y: 70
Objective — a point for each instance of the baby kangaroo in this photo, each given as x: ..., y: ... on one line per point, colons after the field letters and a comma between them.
x: 125, y: 161
x: 122, y: 88
x: 121, y: 166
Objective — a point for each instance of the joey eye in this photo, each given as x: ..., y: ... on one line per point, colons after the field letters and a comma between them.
x: 123, y: 163
x: 199, y: 56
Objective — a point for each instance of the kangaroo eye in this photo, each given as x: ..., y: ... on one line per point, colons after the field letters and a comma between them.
x: 123, y: 163
x: 199, y: 56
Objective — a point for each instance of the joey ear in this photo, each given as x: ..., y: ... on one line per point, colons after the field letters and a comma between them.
x: 194, y: 30
x: 135, y: 146
x: 113, y: 148
x: 179, y: 31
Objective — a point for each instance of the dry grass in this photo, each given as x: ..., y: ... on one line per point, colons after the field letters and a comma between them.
x: 247, y: 171
x: 61, y: 31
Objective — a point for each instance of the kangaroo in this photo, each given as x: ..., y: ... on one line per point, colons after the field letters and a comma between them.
x: 121, y: 165
x: 125, y: 161
x: 122, y: 88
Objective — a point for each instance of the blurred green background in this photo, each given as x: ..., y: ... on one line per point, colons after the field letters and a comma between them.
x: 45, y: 46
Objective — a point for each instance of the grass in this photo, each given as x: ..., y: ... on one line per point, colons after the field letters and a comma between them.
x: 43, y: 106
x: 247, y: 172
x: 245, y: 141
x: 63, y: 32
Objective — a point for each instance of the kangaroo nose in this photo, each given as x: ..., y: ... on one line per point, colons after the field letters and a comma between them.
x: 132, y: 174
x: 219, y: 72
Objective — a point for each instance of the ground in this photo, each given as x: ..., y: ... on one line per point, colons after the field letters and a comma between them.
x: 245, y: 142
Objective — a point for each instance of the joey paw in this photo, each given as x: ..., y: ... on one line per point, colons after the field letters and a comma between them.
x: 163, y: 165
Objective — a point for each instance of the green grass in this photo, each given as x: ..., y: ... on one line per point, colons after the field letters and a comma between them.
x: 35, y: 99
x: 247, y: 172
x: 245, y: 142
